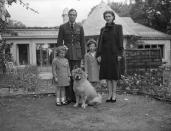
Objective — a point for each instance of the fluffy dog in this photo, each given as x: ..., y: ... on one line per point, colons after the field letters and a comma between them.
x: 85, y: 93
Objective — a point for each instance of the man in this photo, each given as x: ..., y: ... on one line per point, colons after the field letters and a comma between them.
x: 71, y: 34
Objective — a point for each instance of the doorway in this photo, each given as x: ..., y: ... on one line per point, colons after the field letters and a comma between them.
x: 44, y: 54
x: 23, y: 50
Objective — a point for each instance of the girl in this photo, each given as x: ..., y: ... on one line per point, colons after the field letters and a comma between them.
x: 61, y: 74
x: 91, y: 65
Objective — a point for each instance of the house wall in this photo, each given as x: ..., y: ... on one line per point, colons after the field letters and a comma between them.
x: 32, y: 48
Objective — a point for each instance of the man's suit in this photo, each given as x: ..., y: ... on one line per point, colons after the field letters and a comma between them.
x: 73, y: 38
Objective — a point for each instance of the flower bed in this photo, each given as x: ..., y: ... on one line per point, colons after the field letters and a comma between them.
x: 150, y: 83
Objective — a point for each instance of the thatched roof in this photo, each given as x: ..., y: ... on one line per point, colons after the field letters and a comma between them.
x: 95, y: 22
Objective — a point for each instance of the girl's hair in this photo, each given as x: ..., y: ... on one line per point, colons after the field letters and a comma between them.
x: 109, y: 12
x: 91, y: 41
x: 61, y: 49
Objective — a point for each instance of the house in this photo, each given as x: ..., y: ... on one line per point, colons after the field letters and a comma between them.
x: 35, y: 46
x: 151, y: 39
x: 32, y: 46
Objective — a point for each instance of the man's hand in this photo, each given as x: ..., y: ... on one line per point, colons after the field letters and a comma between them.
x: 99, y: 59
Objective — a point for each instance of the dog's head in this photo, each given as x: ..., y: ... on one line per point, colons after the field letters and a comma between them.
x: 78, y: 74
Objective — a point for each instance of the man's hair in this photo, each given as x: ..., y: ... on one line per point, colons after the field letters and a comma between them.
x: 109, y: 12
x: 72, y: 10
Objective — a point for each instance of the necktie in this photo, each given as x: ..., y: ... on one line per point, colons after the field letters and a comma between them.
x: 72, y: 26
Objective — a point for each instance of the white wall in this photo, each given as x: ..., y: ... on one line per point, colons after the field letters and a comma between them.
x: 32, y: 48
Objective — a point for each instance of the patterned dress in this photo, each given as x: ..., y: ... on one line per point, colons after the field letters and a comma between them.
x: 61, y: 70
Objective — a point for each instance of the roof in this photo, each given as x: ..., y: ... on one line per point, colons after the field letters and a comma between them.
x: 95, y: 21
x: 33, y: 33
x: 145, y: 31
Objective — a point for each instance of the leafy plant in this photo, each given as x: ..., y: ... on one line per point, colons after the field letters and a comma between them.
x: 26, y: 78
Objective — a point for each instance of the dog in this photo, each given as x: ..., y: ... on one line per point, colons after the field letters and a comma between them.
x: 85, y: 93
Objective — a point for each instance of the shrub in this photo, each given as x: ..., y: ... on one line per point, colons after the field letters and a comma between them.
x: 26, y: 78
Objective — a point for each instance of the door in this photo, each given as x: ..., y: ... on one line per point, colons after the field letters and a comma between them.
x: 23, y: 51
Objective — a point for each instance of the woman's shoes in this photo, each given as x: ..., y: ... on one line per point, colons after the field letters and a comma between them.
x: 111, y: 100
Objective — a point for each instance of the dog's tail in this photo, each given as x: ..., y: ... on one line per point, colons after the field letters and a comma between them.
x: 96, y: 100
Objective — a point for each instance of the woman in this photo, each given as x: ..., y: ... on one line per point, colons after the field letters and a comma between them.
x: 109, y: 52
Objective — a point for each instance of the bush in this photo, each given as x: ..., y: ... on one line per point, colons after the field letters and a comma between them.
x: 26, y: 78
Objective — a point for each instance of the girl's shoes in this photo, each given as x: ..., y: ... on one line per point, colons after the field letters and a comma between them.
x: 58, y: 103
x: 64, y: 102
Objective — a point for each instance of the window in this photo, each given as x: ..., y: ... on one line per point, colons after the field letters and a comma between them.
x: 160, y: 46
x: 161, y: 50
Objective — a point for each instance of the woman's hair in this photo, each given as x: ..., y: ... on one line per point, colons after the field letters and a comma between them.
x: 91, y: 41
x: 109, y: 12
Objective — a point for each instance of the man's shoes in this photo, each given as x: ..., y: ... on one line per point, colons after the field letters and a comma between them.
x: 109, y: 100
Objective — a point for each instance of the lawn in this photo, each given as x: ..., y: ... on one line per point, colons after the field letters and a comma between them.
x: 39, y: 113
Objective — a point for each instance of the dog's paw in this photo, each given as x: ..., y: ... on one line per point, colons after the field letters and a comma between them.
x: 76, y: 105
x: 84, y: 106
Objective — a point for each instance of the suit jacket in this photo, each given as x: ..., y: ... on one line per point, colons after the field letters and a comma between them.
x: 116, y: 38
x: 73, y: 39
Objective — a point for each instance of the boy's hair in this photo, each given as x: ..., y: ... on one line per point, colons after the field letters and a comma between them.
x: 91, y: 41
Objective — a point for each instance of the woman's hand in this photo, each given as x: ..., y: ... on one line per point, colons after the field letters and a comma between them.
x: 119, y: 58
x: 99, y: 59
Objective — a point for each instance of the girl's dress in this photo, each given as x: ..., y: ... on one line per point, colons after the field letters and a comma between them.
x: 91, y: 67
x: 61, y: 70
